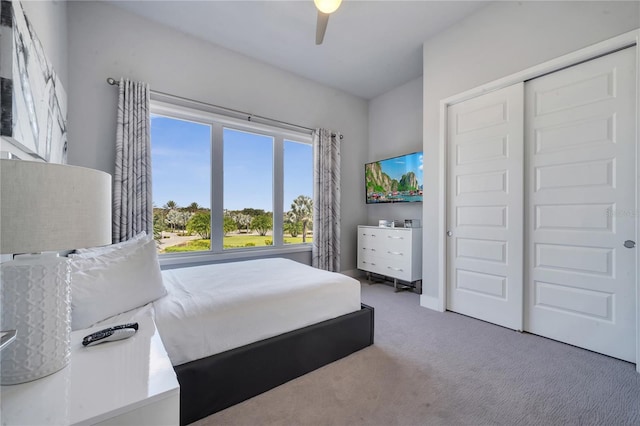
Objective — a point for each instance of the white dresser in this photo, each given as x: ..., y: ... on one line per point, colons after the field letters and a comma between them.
x: 392, y: 252
x: 127, y: 382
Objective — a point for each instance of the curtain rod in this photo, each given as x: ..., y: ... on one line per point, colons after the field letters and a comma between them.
x: 114, y: 82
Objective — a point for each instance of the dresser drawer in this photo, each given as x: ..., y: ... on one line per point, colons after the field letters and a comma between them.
x: 395, y: 253
x: 370, y: 239
x: 397, y: 241
x: 401, y: 272
x: 372, y: 264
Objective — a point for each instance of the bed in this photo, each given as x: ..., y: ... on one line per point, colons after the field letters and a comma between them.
x: 308, y: 318
x: 207, y: 316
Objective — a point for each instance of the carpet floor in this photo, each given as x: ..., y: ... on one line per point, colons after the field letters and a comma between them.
x: 431, y: 368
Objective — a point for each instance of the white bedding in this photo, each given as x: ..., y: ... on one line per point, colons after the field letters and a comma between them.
x: 214, y: 308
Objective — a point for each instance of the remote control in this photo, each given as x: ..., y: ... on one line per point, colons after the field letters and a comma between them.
x: 94, y: 337
x: 133, y: 325
x: 108, y: 336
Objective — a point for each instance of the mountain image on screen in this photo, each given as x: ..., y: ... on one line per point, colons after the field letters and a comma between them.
x: 394, y: 180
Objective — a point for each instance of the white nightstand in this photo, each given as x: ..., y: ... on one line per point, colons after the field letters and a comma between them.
x: 124, y: 382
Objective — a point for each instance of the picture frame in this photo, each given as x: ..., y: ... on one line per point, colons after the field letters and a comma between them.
x: 33, y: 114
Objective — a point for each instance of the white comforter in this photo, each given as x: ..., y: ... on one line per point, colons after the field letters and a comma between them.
x: 214, y: 308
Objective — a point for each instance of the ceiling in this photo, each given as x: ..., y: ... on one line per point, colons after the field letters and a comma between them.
x: 370, y: 47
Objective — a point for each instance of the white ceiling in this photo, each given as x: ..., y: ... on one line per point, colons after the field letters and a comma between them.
x: 370, y: 46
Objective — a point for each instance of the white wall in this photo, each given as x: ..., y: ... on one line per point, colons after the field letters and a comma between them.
x: 395, y: 128
x: 49, y: 20
x: 499, y: 40
x: 105, y: 41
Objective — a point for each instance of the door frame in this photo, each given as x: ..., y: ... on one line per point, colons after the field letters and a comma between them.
x: 629, y: 39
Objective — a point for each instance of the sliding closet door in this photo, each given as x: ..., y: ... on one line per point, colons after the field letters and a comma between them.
x: 485, y: 207
x: 580, y: 140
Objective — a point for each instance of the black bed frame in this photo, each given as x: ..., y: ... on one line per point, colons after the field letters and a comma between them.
x: 217, y: 382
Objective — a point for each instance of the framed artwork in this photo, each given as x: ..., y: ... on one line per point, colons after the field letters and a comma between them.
x: 33, y: 113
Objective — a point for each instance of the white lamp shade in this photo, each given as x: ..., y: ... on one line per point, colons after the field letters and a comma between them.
x: 52, y: 207
x: 327, y: 6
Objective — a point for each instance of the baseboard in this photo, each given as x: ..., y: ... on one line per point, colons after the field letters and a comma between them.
x: 430, y: 302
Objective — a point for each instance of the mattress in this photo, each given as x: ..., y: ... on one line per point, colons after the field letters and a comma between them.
x: 213, y: 308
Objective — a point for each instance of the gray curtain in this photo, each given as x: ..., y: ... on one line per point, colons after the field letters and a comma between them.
x: 132, y: 204
x: 326, y: 202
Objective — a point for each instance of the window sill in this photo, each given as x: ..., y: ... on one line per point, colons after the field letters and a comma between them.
x: 170, y: 261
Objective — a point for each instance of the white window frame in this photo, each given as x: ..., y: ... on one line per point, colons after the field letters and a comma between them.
x: 218, y: 123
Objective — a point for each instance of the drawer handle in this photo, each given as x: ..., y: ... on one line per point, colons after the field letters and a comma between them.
x: 396, y: 252
x: 395, y: 269
x: 373, y: 249
x: 395, y: 238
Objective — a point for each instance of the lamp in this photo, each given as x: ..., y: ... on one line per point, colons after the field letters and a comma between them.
x: 327, y: 6
x: 44, y: 207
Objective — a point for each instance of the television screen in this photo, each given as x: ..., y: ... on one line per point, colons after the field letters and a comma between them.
x: 394, y: 180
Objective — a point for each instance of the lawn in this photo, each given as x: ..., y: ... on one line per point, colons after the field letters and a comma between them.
x: 232, y: 241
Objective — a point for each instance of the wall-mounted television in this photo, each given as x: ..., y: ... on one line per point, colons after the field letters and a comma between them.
x: 394, y: 180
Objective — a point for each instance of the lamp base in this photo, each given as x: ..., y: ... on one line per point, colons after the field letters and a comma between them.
x: 36, y: 301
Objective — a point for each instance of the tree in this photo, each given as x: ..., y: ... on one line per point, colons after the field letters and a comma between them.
x: 186, y: 215
x: 170, y: 205
x: 157, y: 227
x: 243, y: 220
x: 291, y: 224
x: 193, y: 207
x: 167, y: 208
x: 177, y: 218
x: 253, y: 212
x: 302, y: 210
x: 171, y: 219
x: 229, y: 225
x: 158, y: 218
x: 200, y: 223
x: 262, y: 224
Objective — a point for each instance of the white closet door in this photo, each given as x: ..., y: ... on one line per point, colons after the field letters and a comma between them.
x: 581, y: 205
x: 485, y: 207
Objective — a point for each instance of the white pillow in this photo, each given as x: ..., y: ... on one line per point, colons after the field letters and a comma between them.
x: 130, y: 244
x: 114, y: 282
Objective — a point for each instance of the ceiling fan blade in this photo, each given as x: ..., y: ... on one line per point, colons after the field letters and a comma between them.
x: 321, y: 27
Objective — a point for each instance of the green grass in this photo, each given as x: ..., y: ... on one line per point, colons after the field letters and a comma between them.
x: 195, y: 245
x: 231, y: 242
x: 240, y: 240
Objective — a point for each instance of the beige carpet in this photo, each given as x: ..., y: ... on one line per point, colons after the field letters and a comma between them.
x: 430, y: 368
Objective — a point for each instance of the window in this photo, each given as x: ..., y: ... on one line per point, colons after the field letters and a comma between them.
x: 221, y: 184
x: 298, y: 192
x: 248, y: 189
x: 181, y: 184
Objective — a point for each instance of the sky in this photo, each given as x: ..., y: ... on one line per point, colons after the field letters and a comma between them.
x: 181, y: 163
x: 398, y: 166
